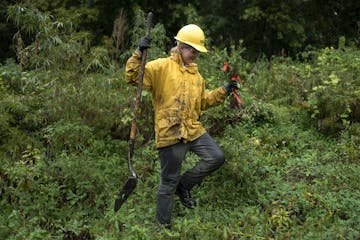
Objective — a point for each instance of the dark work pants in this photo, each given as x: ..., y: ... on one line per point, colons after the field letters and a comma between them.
x: 171, y: 158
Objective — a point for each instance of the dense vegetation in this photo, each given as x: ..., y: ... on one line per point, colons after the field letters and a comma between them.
x: 292, y: 169
x: 265, y: 27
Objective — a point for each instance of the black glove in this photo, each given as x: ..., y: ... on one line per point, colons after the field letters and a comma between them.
x: 144, y: 43
x: 230, y: 85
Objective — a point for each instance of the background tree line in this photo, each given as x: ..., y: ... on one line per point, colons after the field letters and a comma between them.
x: 264, y: 27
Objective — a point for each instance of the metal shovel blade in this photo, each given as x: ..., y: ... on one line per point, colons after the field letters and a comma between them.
x: 125, y: 192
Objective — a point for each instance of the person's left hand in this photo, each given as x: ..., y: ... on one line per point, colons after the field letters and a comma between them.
x: 144, y: 43
x: 230, y: 85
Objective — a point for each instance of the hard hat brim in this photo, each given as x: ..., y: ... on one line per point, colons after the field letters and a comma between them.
x: 196, y: 46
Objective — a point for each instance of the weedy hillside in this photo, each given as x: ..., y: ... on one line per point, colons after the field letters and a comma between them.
x: 292, y: 151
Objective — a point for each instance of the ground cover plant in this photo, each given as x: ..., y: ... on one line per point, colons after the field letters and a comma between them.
x: 292, y: 151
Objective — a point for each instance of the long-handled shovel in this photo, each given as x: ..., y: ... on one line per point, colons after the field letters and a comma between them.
x: 130, y: 184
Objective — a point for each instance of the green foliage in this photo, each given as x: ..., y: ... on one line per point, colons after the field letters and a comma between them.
x: 270, y: 28
x: 65, y: 184
x: 98, y: 60
x: 278, y: 23
x: 335, y: 100
x: 71, y: 137
x: 158, y: 36
x: 64, y: 123
x: 52, y: 43
x: 277, y: 80
x: 327, y: 85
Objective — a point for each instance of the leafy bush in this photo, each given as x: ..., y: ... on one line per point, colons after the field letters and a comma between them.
x: 63, y: 148
x: 335, y: 100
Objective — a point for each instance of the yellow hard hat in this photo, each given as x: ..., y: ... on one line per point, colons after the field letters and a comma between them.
x: 192, y: 35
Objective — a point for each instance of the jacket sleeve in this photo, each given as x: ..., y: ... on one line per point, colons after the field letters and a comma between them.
x: 132, y: 71
x: 212, y: 98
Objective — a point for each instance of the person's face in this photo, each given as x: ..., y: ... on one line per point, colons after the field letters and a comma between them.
x: 188, y: 53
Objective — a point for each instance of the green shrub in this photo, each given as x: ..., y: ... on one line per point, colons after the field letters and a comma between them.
x: 335, y: 100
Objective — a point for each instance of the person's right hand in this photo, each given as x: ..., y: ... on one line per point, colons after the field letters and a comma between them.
x: 230, y: 85
x: 144, y: 43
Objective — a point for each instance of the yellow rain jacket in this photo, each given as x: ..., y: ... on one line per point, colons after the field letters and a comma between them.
x: 178, y: 96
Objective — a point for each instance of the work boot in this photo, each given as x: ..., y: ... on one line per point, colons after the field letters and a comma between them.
x: 185, y: 196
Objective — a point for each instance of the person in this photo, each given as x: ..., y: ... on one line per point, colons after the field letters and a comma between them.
x: 178, y: 97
